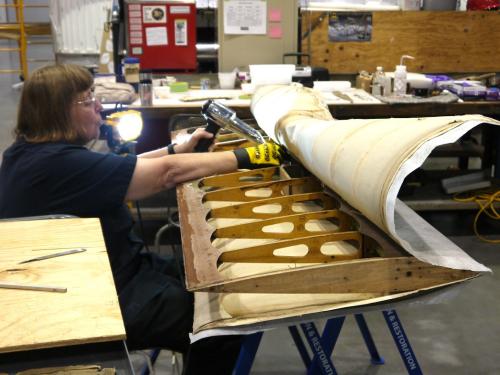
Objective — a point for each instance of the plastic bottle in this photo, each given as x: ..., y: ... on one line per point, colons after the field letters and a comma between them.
x: 400, y: 80
x: 377, y: 83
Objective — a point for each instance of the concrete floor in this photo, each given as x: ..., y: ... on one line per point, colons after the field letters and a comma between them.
x: 460, y: 335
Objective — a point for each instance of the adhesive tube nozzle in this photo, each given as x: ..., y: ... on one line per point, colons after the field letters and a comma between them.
x: 401, y: 62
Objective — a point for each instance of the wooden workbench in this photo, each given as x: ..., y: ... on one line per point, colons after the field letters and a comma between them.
x: 87, y: 313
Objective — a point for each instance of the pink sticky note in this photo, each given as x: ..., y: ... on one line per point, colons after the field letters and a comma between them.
x: 275, y: 15
x: 275, y: 31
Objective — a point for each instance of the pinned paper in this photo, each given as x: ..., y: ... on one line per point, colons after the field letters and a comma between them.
x: 245, y: 17
x: 275, y: 15
x: 181, y: 32
x: 275, y: 31
x: 154, y: 14
x: 156, y: 36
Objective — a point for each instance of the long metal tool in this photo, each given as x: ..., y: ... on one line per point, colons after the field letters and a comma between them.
x: 219, y: 116
x: 62, y: 253
x: 40, y: 288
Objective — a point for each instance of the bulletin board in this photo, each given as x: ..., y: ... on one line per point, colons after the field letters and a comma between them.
x: 262, y: 35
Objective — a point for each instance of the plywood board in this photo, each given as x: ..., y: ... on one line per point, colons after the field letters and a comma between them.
x: 441, y: 42
x: 89, y: 310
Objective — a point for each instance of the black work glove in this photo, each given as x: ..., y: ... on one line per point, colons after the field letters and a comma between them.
x: 264, y: 155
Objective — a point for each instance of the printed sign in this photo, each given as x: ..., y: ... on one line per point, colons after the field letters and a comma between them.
x: 137, y: 50
x: 181, y: 32
x: 154, y: 14
x: 245, y: 17
x: 179, y: 9
x: 156, y: 36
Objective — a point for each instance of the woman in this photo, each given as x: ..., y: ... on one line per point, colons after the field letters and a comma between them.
x: 47, y: 170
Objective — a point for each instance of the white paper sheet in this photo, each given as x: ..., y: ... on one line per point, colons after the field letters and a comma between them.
x: 245, y: 17
x: 156, y: 36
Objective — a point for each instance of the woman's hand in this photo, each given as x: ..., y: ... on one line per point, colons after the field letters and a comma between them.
x: 189, y: 145
x: 264, y: 155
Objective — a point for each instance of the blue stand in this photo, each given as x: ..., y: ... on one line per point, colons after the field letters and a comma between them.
x: 322, y: 346
x: 399, y: 336
x: 247, y: 354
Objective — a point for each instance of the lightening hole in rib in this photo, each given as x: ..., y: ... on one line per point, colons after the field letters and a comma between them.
x: 321, y: 225
x: 272, y: 208
x: 259, y: 193
x: 292, y: 251
x: 307, y: 206
x: 279, y: 228
x: 256, y: 178
x: 339, y: 248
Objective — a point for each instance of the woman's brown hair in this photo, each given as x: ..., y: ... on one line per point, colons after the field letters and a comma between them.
x: 46, y: 99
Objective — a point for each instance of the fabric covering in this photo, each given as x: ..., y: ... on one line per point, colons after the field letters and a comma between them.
x: 366, y: 161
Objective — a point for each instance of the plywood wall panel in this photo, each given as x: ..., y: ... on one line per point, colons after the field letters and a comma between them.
x: 441, y: 42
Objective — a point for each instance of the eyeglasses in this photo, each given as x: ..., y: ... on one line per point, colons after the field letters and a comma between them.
x: 89, y: 101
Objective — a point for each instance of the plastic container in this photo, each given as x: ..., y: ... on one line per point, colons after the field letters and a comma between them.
x: 271, y: 74
x: 179, y: 87
x: 227, y: 80
x: 378, y: 81
x: 161, y: 92
x: 131, y: 69
x: 205, y: 83
x: 400, y: 76
x: 386, y: 85
x: 492, y: 93
x: 400, y: 80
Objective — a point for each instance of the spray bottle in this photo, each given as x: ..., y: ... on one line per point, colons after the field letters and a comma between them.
x: 400, y: 76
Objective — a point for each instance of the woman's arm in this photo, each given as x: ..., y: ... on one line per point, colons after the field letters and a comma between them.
x: 152, y: 175
x: 182, y: 148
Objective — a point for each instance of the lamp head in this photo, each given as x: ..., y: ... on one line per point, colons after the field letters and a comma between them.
x: 128, y: 124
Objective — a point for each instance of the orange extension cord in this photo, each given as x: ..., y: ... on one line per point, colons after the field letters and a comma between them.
x: 486, y: 200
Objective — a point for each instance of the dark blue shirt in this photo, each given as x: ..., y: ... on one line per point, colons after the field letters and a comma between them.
x: 61, y: 178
